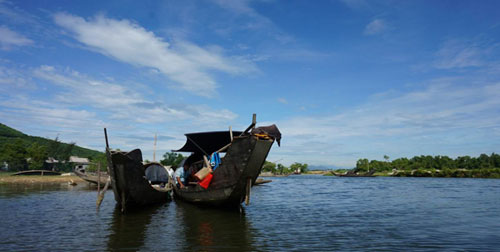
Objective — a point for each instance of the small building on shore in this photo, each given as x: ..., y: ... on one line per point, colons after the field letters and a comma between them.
x: 4, y: 166
x: 50, y: 164
x: 76, y: 163
x: 79, y: 162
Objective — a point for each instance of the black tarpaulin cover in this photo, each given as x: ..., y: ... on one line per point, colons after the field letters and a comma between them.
x: 208, y: 141
x: 271, y: 131
x: 156, y: 173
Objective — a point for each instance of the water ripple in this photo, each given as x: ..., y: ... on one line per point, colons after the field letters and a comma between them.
x: 296, y: 213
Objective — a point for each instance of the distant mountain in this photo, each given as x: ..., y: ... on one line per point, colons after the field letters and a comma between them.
x: 8, y: 134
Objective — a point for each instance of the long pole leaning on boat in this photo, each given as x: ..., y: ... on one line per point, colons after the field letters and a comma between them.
x: 108, y: 156
x: 98, y: 179
x: 254, y: 122
x: 249, y: 179
x: 154, y: 150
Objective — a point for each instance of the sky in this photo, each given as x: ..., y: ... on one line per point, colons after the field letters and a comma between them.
x: 342, y: 80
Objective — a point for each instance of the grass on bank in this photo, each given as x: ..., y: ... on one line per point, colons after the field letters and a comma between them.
x: 7, y: 178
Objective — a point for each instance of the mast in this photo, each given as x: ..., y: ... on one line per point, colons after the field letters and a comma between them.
x: 154, y: 150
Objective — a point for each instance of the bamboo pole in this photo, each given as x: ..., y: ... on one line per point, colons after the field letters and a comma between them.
x: 207, y: 164
x: 100, y: 197
x: 98, y: 179
x: 231, y: 133
x: 154, y: 151
x: 248, y: 188
x: 224, y: 148
x: 252, y: 126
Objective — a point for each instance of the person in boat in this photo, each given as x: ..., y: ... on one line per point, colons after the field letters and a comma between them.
x: 171, y: 171
x: 187, y: 168
x: 180, y: 174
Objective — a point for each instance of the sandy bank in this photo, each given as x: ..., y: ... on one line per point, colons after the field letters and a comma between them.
x: 5, y: 178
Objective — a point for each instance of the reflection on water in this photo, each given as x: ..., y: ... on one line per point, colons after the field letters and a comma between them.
x: 16, y: 190
x: 179, y: 226
x: 212, y: 229
x: 295, y: 213
x: 129, y: 231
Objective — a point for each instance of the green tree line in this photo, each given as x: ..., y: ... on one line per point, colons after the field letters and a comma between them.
x: 19, y: 155
x: 440, y: 166
x: 169, y: 159
x: 281, y: 169
x: 431, y: 162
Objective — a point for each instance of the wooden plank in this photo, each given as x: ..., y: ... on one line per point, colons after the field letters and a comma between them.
x: 248, y: 189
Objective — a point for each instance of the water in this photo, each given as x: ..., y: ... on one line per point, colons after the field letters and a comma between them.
x: 301, y: 213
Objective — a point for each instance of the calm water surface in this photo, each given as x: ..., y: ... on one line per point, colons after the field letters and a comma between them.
x: 301, y: 213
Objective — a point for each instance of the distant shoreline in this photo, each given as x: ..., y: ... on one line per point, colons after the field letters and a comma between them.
x: 445, y: 173
x: 6, y: 178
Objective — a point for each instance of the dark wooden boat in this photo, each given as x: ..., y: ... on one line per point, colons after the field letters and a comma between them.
x: 239, y: 168
x: 92, y: 178
x: 36, y: 173
x: 131, y: 187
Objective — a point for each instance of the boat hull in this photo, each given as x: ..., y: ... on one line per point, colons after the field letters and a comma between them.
x: 241, y: 165
x: 130, y: 186
x: 92, y: 178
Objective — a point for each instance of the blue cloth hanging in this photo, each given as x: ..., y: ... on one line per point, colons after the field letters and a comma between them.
x: 215, y: 160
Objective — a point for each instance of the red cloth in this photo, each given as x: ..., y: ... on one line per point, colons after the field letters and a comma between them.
x: 206, y: 181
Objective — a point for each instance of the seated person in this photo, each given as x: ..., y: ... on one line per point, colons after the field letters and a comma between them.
x: 187, y: 168
x: 181, y: 175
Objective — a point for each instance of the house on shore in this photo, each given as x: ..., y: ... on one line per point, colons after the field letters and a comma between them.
x: 76, y: 163
x: 79, y: 162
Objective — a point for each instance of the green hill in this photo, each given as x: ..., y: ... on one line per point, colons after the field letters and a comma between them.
x: 8, y: 134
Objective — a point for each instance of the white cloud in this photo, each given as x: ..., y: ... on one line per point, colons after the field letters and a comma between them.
x: 282, y: 100
x: 375, y: 27
x: 78, y: 107
x: 254, y: 22
x: 9, y: 11
x: 398, y: 125
x: 459, y: 54
x: 124, y: 103
x: 73, y: 124
x: 239, y: 7
x: 9, y: 39
x: 43, y: 112
x: 183, y: 62
x: 11, y: 79
x: 356, y: 4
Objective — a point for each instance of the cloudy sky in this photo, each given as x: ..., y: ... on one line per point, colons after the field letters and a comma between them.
x: 343, y: 79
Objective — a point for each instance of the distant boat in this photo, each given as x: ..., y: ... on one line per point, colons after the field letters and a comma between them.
x: 260, y: 181
x: 269, y: 174
x: 37, y: 172
x: 92, y: 178
x: 353, y: 173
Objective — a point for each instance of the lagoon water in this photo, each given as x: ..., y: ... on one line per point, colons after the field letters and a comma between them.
x: 302, y: 213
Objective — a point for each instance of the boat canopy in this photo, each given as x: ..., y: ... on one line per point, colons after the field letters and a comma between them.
x: 156, y: 173
x: 207, y: 142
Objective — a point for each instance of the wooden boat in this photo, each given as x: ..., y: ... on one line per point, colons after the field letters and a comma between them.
x: 353, y: 173
x: 260, y: 181
x: 134, y: 183
x: 244, y: 156
x: 36, y: 173
x: 92, y: 178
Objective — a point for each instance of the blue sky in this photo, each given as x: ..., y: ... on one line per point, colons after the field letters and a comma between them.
x: 343, y: 80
